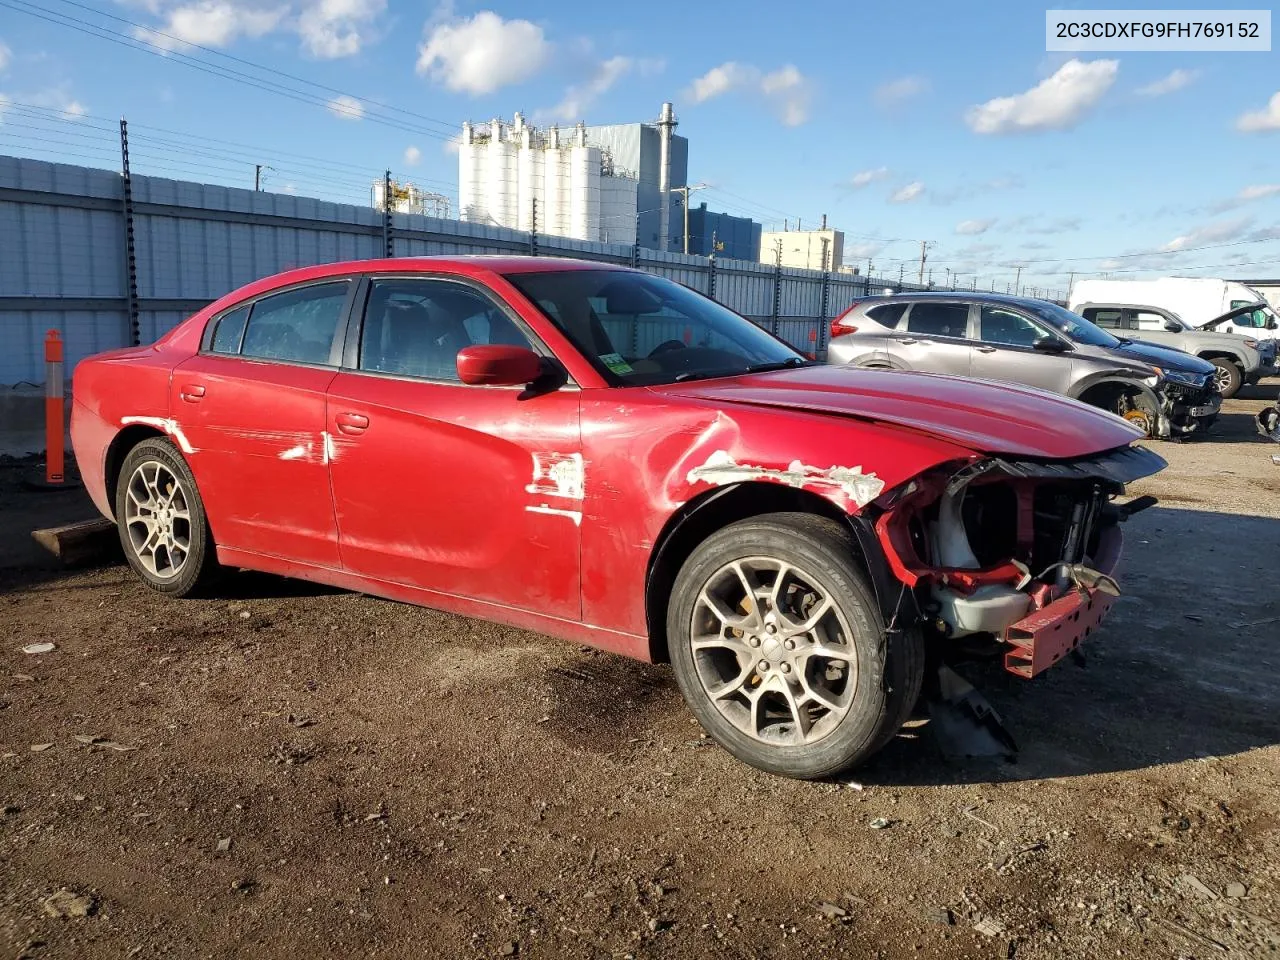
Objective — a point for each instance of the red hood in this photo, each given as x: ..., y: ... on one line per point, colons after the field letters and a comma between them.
x: 983, y: 416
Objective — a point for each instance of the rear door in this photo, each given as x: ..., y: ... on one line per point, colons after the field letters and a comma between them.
x: 471, y: 491
x: 933, y: 337
x: 1006, y: 351
x: 251, y: 408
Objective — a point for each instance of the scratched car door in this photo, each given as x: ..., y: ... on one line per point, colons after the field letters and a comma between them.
x: 249, y: 413
x: 472, y: 491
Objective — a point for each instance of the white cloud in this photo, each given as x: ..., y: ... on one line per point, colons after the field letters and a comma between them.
x: 1250, y: 194
x: 330, y: 29
x: 865, y: 177
x: 971, y: 228
x: 412, y: 156
x: 911, y: 192
x: 483, y: 53
x: 1222, y: 231
x: 1172, y: 83
x: 73, y: 110
x: 722, y: 79
x: 6, y: 55
x: 212, y: 23
x: 1256, y: 121
x: 896, y: 92
x: 1050, y: 227
x: 787, y: 90
x: 862, y: 251
x: 346, y: 108
x: 1059, y: 102
x: 578, y: 98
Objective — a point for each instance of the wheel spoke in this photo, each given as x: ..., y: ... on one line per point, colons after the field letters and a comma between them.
x: 793, y: 628
x: 730, y: 687
x: 730, y: 618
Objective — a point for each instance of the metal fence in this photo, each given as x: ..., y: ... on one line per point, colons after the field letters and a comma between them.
x: 110, y: 260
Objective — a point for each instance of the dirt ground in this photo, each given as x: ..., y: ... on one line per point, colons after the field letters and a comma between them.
x: 313, y: 773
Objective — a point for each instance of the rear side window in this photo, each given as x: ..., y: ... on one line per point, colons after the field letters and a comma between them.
x: 938, y: 319
x: 1111, y: 319
x: 887, y: 314
x: 298, y: 325
x: 229, y: 332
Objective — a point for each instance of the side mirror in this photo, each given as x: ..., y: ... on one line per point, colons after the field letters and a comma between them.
x: 1050, y: 345
x: 1272, y: 324
x: 498, y: 365
x: 1172, y: 326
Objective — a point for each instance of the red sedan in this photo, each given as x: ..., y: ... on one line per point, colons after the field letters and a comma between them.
x: 606, y: 456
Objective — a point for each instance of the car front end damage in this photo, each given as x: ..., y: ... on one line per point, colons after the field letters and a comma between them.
x: 1008, y: 556
x: 1189, y: 402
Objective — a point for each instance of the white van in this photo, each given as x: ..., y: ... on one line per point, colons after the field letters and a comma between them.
x: 1197, y: 300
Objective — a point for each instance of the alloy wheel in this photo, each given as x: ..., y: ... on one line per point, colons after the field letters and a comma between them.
x: 158, y: 519
x: 1222, y: 376
x: 773, y: 651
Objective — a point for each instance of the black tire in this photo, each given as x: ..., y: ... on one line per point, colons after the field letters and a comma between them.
x: 890, y: 669
x: 199, y: 564
x: 1229, y: 376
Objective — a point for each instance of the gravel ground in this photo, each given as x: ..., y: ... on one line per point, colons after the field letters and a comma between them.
x: 291, y: 771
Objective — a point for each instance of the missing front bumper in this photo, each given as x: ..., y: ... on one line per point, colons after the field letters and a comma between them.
x: 1044, y: 637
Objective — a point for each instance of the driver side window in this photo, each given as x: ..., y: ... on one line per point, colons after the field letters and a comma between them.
x: 996, y: 325
x: 1150, y: 321
x: 415, y: 328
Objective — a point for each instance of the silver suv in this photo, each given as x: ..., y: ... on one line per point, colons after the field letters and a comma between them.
x: 1238, y: 359
x: 1034, y: 342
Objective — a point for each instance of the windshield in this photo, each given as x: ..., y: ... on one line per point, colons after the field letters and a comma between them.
x: 1072, y: 325
x: 639, y: 329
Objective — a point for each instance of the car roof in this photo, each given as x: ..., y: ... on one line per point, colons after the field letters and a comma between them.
x: 965, y: 296
x: 1123, y: 306
x: 470, y: 265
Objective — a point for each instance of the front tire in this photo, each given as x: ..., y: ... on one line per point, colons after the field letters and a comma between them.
x: 780, y: 650
x: 1228, y: 375
x: 161, y: 520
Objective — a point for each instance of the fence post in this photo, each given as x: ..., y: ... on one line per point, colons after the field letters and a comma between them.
x: 53, y: 407
x: 821, y: 339
x: 533, y: 232
x: 711, y: 275
x: 130, y: 249
x: 777, y: 288
x: 388, y: 243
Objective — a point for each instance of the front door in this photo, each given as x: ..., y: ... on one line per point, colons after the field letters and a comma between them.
x: 471, y: 491
x: 249, y: 412
x: 1006, y: 350
x: 933, y: 337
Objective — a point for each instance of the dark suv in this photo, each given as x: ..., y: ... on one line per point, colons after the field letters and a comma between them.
x: 1034, y: 342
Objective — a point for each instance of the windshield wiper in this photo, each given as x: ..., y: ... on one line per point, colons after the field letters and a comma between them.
x: 1124, y: 341
x: 778, y: 365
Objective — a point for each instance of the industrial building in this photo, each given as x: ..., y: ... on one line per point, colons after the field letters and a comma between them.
x: 408, y: 198
x: 820, y: 249
x: 734, y: 237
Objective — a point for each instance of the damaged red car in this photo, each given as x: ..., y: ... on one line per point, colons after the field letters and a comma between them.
x: 609, y: 457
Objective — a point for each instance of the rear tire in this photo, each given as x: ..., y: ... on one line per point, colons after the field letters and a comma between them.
x: 1229, y: 376
x: 161, y: 520
x: 797, y: 677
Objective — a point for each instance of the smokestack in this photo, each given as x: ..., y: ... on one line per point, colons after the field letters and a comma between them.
x: 824, y: 221
x: 666, y: 127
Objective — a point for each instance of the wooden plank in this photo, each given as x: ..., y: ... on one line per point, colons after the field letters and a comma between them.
x: 79, y: 542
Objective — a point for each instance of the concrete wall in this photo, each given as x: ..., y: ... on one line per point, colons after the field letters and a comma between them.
x: 62, y: 260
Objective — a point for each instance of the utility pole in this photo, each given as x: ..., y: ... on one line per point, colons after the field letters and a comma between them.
x: 1017, y: 282
x: 948, y: 278
x: 777, y: 284
x: 924, y: 254
x: 387, y: 243
x: 1071, y: 282
x: 257, y: 175
x: 901, y: 270
x: 684, y: 195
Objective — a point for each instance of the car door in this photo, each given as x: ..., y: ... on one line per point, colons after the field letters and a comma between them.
x: 1006, y: 350
x: 251, y: 410
x: 472, y: 491
x: 933, y: 336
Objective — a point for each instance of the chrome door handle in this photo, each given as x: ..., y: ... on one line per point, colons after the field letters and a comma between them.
x: 906, y: 339
x: 985, y: 349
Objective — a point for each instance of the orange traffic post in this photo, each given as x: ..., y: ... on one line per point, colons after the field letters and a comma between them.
x: 53, y: 407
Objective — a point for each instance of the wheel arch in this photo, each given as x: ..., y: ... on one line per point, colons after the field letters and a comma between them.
x: 716, y: 509
x: 118, y: 449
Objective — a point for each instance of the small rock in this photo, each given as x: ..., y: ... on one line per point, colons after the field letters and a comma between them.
x: 1193, y: 884
x: 224, y: 845
x: 244, y: 614
x: 10, y: 810
x: 243, y: 885
x: 831, y: 911
x: 510, y: 949
x: 657, y: 926
x: 68, y: 903
x: 989, y: 927
x: 24, y: 678
x: 854, y: 785
x: 40, y: 648
x: 40, y: 747
x: 880, y: 823
x: 939, y: 915
x: 1237, y: 891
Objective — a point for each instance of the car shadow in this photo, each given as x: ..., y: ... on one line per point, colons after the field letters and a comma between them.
x: 1268, y: 390
x: 1232, y: 428
x: 1186, y: 666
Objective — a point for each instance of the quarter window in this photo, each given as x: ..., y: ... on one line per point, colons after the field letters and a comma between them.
x: 938, y: 319
x: 298, y: 325
x: 229, y: 332
x: 887, y: 314
x: 415, y: 328
x: 1006, y: 327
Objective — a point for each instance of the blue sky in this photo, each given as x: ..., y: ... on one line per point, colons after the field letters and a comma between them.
x: 902, y: 122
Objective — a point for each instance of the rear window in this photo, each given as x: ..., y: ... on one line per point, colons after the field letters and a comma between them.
x: 939, y: 319
x: 887, y: 314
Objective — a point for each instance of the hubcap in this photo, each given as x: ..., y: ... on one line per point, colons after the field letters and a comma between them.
x: 794, y: 684
x: 158, y: 519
